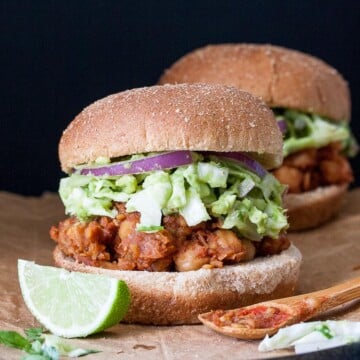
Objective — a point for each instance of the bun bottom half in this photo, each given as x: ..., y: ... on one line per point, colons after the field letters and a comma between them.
x: 313, y: 208
x: 175, y: 298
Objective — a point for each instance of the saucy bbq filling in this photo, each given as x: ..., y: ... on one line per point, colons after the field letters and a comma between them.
x: 258, y: 317
x: 308, y: 169
x: 115, y: 243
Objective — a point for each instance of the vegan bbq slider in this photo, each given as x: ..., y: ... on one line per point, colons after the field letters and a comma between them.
x: 311, y: 101
x: 167, y: 189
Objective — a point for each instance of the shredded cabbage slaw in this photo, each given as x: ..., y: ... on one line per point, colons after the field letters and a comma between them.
x: 313, y: 336
x: 210, y: 186
x: 313, y: 131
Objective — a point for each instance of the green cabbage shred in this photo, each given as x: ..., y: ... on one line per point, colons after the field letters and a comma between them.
x: 209, y: 187
x: 313, y: 131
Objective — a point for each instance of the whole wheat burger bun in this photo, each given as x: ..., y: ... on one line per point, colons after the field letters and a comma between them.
x: 281, y: 77
x: 312, y: 208
x: 174, y: 117
x: 172, y: 298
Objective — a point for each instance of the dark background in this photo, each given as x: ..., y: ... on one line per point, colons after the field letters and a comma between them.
x: 59, y: 56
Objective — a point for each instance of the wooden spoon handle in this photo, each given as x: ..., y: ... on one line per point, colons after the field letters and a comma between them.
x: 340, y: 294
x: 309, y: 305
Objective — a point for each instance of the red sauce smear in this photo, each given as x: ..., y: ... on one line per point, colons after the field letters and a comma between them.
x: 260, y: 317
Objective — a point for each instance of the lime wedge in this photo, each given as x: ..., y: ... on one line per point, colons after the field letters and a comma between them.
x: 72, y: 304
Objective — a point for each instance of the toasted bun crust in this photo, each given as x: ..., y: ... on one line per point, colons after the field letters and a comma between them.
x: 312, y: 208
x: 281, y: 77
x: 173, y: 117
x: 164, y: 298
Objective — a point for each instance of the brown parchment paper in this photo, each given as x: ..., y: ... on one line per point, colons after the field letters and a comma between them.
x: 331, y: 255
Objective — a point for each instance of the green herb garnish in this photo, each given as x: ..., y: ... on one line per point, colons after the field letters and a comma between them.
x: 324, y: 329
x: 40, y: 346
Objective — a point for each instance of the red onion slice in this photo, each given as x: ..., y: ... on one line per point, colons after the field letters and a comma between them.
x: 282, y: 125
x: 157, y: 162
x: 245, y: 160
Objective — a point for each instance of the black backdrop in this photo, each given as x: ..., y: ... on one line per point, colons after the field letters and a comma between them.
x: 59, y: 56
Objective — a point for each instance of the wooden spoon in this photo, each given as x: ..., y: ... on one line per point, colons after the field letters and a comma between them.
x: 255, y: 321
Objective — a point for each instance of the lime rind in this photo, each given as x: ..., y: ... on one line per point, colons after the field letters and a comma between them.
x: 72, y: 304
